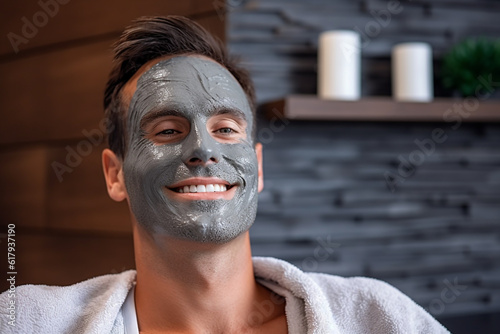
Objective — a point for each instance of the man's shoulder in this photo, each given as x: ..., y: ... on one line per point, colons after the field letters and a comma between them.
x: 349, y: 304
x: 384, y: 306
x: 356, y: 285
x: 40, y: 307
x: 98, y: 282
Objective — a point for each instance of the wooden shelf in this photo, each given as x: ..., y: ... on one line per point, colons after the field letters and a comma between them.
x: 383, y: 109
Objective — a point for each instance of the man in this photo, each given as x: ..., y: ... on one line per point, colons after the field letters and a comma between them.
x: 183, y: 155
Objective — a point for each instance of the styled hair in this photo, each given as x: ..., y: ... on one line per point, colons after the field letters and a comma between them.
x: 148, y: 38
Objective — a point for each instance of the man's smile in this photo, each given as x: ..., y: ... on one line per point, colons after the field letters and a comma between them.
x: 202, y: 188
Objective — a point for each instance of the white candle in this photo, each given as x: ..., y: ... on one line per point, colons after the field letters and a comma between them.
x: 412, y: 72
x: 339, y: 62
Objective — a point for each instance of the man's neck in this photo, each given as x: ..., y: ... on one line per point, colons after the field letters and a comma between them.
x: 188, y: 287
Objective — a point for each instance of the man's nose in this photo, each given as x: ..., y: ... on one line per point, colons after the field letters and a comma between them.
x: 200, y: 148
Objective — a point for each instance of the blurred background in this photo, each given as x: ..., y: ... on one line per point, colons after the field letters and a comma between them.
x: 341, y: 194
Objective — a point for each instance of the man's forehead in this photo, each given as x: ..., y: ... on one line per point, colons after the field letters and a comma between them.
x: 199, y: 73
x: 147, y: 69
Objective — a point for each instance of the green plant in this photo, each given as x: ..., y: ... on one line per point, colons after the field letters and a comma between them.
x: 469, y: 60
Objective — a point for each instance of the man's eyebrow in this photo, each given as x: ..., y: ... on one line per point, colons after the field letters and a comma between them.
x: 234, y: 112
x: 151, y: 116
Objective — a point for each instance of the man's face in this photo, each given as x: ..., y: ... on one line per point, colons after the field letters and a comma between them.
x: 190, y: 169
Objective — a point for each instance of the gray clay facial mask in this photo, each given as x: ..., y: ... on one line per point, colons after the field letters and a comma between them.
x: 195, y: 90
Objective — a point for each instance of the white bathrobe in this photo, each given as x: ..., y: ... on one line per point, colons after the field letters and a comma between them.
x: 315, y: 303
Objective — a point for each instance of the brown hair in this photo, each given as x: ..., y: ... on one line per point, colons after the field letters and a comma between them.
x: 148, y: 38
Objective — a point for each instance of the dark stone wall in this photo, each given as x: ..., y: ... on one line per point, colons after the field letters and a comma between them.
x: 377, y: 199
x: 329, y: 206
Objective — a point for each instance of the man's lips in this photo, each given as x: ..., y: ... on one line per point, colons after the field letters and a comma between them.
x: 202, y: 188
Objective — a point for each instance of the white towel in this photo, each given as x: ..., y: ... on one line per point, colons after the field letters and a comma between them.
x: 315, y: 303
x: 91, y: 306
x: 357, y: 305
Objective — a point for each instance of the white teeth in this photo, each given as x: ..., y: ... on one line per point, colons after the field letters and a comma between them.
x: 201, y: 188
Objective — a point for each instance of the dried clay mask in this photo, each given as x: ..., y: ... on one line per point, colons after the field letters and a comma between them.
x: 190, y: 91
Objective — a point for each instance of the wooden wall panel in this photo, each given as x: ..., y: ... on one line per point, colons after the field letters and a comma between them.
x: 62, y: 259
x: 23, y: 184
x: 78, y: 199
x: 54, y: 95
x: 81, y: 19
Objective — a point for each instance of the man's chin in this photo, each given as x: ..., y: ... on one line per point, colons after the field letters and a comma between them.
x: 209, y: 233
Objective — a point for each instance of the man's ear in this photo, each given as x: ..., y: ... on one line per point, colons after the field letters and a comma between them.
x: 113, y: 172
x: 258, y: 151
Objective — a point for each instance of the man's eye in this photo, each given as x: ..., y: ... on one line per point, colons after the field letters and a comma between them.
x: 226, y: 131
x: 167, y: 132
